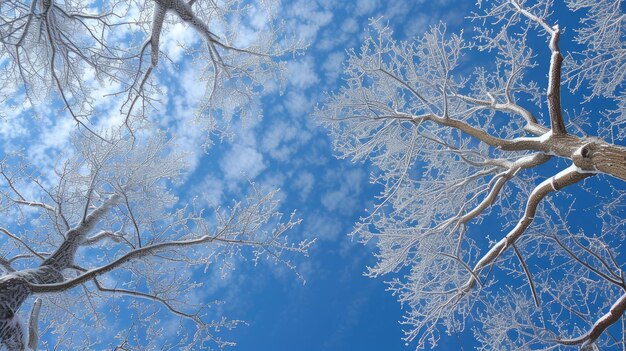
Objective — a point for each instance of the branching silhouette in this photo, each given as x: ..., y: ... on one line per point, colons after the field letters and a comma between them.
x: 454, y: 149
x: 107, y: 226
x: 71, y: 50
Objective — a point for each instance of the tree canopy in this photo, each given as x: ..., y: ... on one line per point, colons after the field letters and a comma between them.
x: 487, y: 164
x: 96, y: 233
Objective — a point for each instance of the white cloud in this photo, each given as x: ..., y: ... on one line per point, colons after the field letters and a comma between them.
x: 398, y: 10
x: 322, y: 226
x: 176, y: 38
x: 333, y: 66
x: 304, y: 182
x: 271, y: 181
x: 307, y: 19
x: 53, y: 138
x: 297, y: 104
x: 210, y: 191
x: 365, y: 7
x: 301, y: 74
x: 282, y: 140
x: 338, y: 200
x: 344, y: 198
x: 13, y: 126
x: 192, y: 85
x: 180, y: 118
x: 242, y: 162
x: 350, y: 25
x: 417, y: 26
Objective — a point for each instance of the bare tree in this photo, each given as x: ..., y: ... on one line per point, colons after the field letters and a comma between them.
x: 103, y: 229
x: 461, y: 142
x: 103, y: 236
x: 68, y: 50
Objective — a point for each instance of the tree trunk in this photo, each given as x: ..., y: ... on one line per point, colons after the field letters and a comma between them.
x: 13, y: 292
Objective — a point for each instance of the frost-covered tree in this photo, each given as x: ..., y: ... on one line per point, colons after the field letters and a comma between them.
x: 81, y: 52
x: 103, y: 228
x: 109, y: 251
x: 503, y: 193
x: 97, y: 249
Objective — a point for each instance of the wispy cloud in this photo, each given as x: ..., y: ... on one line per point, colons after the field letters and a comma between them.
x: 242, y: 162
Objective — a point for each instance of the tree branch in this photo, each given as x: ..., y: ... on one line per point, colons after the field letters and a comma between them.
x: 64, y: 254
x: 523, y: 163
x: 529, y: 276
x: 14, y: 237
x: 33, y: 325
x: 6, y: 265
x: 590, y: 156
x: 554, y: 76
x: 564, y: 178
x: 554, y: 85
x: 135, y: 254
x: 532, y: 126
x: 101, y: 236
x: 615, y: 313
x: 142, y: 295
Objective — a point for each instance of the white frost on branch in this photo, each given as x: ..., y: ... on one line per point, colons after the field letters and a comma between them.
x: 453, y: 148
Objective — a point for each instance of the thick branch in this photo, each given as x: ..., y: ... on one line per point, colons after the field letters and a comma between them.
x: 564, y: 178
x: 36, y: 204
x: 615, y: 313
x: 523, y: 163
x: 519, y: 144
x: 6, y: 265
x: 63, y: 257
x: 554, y: 76
x: 529, y: 276
x: 33, y: 324
x: 157, y: 26
x: 532, y: 17
x: 603, y: 157
x: 135, y: 254
x: 117, y: 237
x: 554, y: 85
x: 592, y: 155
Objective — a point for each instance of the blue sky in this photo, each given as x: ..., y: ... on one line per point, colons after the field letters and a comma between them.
x: 338, y: 308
